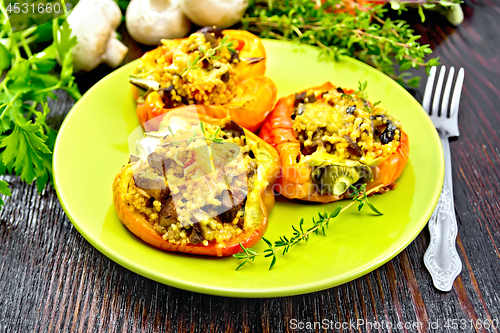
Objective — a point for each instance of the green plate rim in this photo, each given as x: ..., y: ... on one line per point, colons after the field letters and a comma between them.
x: 272, y: 292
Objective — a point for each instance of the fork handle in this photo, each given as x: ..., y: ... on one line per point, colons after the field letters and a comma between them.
x: 441, y: 258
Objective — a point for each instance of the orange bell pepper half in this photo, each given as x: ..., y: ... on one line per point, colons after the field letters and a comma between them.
x: 259, y: 202
x: 295, y: 181
x: 254, y: 96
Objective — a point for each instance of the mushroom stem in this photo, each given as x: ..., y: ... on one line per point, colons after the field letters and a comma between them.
x: 115, y: 51
x: 93, y: 23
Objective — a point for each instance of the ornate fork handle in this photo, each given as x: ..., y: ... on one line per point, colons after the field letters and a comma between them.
x: 441, y: 258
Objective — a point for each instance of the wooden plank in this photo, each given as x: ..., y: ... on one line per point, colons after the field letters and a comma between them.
x: 53, y: 280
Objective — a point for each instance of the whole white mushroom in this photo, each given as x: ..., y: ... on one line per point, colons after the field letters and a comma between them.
x: 94, y: 22
x: 149, y: 21
x: 221, y: 13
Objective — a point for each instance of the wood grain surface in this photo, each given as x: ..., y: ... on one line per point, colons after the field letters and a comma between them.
x: 53, y: 280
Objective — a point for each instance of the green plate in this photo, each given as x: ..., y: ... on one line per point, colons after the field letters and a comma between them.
x: 92, y: 147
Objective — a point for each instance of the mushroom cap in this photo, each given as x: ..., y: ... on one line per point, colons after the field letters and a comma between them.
x: 150, y: 21
x: 221, y: 13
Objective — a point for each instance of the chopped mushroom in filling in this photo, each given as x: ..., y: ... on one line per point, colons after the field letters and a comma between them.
x: 193, y: 187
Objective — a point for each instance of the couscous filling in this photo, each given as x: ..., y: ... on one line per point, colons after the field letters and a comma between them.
x: 341, y: 136
x: 201, y: 70
x: 193, y: 188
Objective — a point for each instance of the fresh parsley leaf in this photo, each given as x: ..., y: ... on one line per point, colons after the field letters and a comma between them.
x: 41, y: 118
x: 64, y: 44
x: 25, y: 151
x: 45, y: 61
x: 5, y: 58
x: 26, y: 141
x: 8, y: 104
x: 5, y: 190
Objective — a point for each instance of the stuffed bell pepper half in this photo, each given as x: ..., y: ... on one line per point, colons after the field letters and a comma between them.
x: 198, y: 185
x: 221, y: 71
x: 330, y: 139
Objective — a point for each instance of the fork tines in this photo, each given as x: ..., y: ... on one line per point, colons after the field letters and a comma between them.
x: 444, y: 110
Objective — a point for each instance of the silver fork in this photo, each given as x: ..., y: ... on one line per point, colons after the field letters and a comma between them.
x: 441, y: 258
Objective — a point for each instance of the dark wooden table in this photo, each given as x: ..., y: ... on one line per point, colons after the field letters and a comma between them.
x: 52, y: 279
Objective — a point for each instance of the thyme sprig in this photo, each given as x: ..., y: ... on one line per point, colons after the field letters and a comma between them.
x: 300, y: 233
x: 177, y: 143
x: 209, y: 54
x: 361, y: 93
x: 360, y: 33
x: 212, y: 137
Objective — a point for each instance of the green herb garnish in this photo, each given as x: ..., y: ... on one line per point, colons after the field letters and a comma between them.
x: 361, y: 93
x: 365, y: 34
x: 28, y: 81
x: 300, y: 233
x: 209, y: 54
x: 212, y: 137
